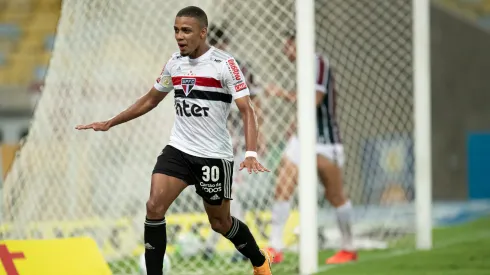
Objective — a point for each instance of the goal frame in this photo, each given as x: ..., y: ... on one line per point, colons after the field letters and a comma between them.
x: 305, y: 29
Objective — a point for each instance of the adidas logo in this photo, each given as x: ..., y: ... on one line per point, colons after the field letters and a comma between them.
x: 149, y: 246
x: 215, y: 197
x: 241, y: 246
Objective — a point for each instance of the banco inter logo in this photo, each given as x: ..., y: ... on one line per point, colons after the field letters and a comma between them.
x: 188, y: 110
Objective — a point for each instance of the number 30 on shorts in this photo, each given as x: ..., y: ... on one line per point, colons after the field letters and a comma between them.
x: 210, y: 173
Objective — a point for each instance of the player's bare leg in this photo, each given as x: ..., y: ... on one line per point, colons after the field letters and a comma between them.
x: 285, y: 185
x: 164, y: 190
x: 239, y: 234
x: 331, y: 177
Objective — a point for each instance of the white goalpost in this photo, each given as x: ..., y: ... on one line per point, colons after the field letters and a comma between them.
x: 305, y: 74
x: 422, y: 122
x: 66, y: 183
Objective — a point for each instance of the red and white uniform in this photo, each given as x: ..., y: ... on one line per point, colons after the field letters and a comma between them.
x: 328, y: 137
x: 204, y: 89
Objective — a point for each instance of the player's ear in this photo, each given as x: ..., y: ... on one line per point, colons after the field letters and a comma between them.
x: 204, y: 33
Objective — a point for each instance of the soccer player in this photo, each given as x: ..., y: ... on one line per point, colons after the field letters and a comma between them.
x: 330, y: 158
x: 218, y: 39
x: 205, y: 81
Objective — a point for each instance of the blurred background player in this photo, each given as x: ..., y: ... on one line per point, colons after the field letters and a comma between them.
x: 218, y: 39
x: 330, y: 158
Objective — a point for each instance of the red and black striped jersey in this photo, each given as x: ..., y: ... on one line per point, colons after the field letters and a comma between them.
x: 327, y: 128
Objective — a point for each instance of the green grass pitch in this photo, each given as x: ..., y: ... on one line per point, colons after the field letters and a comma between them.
x: 458, y: 250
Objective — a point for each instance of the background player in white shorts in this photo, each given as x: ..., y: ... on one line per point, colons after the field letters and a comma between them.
x: 330, y: 158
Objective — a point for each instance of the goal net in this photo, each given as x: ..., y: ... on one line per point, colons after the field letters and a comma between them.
x: 69, y: 183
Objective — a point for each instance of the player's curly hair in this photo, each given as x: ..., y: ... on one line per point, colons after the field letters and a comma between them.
x: 195, y: 12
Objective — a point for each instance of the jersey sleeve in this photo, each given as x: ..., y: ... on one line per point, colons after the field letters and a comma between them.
x: 322, y: 74
x: 164, y: 81
x: 234, y: 80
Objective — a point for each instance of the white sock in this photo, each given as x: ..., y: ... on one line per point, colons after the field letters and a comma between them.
x: 280, y: 215
x: 345, y: 225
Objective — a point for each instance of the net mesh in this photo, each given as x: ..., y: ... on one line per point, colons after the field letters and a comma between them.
x: 107, y: 54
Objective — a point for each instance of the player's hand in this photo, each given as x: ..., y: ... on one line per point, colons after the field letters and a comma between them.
x: 252, y: 164
x: 96, y: 126
x: 275, y: 91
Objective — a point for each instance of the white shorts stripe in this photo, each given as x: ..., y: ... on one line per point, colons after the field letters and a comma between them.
x: 226, y: 180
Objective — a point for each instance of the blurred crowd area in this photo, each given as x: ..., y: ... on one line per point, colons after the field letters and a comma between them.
x: 27, y: 34
x: 476, y: 10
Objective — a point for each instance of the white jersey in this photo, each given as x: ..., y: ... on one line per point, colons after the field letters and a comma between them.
x: 204, y: 89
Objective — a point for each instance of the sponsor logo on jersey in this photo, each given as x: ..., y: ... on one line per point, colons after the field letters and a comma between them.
x: 235, y: 71
x: 240, y: 86
x: 211, y: 187
x: 217, y: 61
x: 188, y: 110
x: 187, y: 85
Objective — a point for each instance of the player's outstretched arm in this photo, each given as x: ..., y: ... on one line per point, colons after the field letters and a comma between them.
x: 142, y: 106
x: 244, y: 104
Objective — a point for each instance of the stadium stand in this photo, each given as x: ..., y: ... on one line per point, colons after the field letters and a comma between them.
x: 477, y: 11
x: 27, y: 29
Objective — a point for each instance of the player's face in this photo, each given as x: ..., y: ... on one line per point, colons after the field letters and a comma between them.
x: 290, y: 49
x: 189, y: 34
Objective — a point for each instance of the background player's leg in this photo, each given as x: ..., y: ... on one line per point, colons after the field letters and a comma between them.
x: 234, y: 230
x: 164, y: 190
x: 331, y: 176
x: 285, y: 185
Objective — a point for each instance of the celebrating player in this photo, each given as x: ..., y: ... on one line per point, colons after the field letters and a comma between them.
x: 206, y: 81
x: 330, y: 158
x: 218, y: 39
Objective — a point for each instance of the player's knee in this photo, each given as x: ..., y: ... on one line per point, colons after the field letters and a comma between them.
x: 336, y: 199
x: 155, y: 209
x: 221, y: 225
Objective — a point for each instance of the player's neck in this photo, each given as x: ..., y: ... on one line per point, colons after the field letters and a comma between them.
x: 199, y: 51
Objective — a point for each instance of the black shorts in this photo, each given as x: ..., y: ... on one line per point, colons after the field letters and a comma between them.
x: 211, y: 177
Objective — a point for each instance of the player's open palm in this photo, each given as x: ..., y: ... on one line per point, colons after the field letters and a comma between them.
x: 252, y: 164
x: 96, y: 126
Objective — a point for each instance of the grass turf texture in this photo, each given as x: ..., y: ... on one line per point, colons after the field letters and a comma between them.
x: 461, y: 250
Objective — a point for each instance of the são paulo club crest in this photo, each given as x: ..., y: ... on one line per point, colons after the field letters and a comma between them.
x: 187, y: 85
